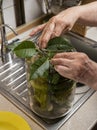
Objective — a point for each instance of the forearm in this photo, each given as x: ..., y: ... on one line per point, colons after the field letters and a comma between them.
x: 88, y: 14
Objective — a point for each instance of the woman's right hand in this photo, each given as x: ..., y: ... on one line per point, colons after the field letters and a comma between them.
x: 76, y: 66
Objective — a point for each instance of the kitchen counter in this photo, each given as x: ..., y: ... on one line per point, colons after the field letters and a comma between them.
x: 84, y: 117
x: 6, y: 105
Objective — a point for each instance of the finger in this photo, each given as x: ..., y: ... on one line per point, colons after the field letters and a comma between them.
x: 68, y: 55
x: 37, y: 29
x: 67, y: 29
x: 60, y: 28
x: 60, y: 61
x: 64, y: 71
x: 57, y: 30
x: 46, y: 35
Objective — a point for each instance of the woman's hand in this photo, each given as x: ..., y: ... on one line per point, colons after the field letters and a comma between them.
x: 76, y: 66
x: 39, y: 28
x: 58, y: 24
x: 65, y: 20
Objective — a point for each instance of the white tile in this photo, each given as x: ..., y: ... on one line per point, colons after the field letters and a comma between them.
x: 9, y: 17
x: 7, y: 3
x: 92, y: 33
x: 32, y: 10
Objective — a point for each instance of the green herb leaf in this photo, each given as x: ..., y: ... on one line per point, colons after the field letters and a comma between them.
x: 39, y: 68
x: 25, y: 49
x: 47, y: 83
x: 59, y: 43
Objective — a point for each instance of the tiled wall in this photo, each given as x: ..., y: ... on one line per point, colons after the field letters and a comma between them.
x: 32, y: 11
x: 8, y: 12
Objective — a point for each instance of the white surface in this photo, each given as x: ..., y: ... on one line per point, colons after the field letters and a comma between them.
x: 9, y: 17
x: 92, y: 33
x: 7, y: 3
x: 8, y: 13
x: 32, y: 9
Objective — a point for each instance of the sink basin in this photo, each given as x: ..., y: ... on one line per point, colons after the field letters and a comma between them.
x: 13, y: 86
x: 83, y: 44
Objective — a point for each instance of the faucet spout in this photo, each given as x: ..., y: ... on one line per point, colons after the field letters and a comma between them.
x: 47, y: 6
x: 6, y: 25
x: 5, y: 54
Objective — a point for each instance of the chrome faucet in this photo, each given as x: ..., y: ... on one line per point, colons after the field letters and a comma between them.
x: 6, y: 55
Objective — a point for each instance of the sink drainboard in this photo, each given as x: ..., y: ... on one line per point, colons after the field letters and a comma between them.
x: 13, y: 86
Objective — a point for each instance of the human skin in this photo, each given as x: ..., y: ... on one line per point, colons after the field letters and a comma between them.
x: 74, y: 65
x: 65, y: 20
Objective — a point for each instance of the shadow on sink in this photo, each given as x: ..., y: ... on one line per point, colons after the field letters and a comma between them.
x: 94, y: 127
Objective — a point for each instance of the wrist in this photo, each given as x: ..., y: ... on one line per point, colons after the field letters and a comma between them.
x: 91, y: 78
x: 80, y: 10
x: 93, y: 85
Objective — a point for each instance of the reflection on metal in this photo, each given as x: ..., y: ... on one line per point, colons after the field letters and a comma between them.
x: 13, y: 86
x: 5, y: 54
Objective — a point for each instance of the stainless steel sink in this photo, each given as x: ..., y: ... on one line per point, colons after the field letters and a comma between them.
x: 13, y: 86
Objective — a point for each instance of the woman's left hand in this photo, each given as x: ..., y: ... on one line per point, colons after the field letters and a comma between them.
x: 76, y: 66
